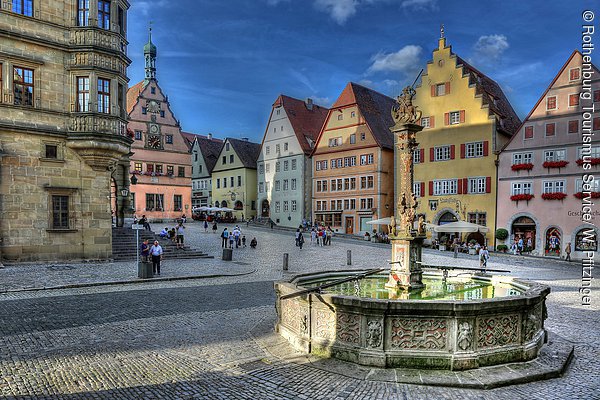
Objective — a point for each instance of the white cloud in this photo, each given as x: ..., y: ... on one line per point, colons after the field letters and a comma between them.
x: 322, y: 101
x: 406, y: 60
x: 339, y: 10
x: 488, y: 49
x: 420, y: 5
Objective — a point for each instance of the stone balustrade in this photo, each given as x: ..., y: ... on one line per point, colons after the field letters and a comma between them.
x: 91, y: 36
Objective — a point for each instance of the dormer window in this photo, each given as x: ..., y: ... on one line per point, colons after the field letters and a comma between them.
x: 152, y: 90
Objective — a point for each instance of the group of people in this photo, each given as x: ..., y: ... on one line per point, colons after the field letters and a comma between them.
x: 321, y: 236
x: 214, y: 226
x: 228, y: 238
x: 175, y: 234
x: 519, y: 245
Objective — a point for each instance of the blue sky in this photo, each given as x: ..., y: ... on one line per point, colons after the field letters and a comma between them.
x: 223, y: 62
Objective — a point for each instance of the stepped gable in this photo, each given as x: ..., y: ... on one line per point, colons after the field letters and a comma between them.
x: 493, y: 96
x: 133, y: 94
x: 376, y: 109
x: 306, y: 122
x: 248, y: 152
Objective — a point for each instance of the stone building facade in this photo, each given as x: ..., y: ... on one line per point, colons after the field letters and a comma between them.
x: 63, y: 133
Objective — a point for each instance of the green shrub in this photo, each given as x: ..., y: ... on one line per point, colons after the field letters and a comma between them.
x: 502, y: 247
x: 501, y: 233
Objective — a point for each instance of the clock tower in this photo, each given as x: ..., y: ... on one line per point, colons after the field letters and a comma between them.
x: 161, y: 161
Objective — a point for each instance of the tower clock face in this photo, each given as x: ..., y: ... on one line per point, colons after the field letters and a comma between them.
x: 153, y: 106
x: 154, y: 142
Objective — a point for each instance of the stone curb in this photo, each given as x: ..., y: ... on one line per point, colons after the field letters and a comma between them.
x: 126, y: 282
x: 552, y: 362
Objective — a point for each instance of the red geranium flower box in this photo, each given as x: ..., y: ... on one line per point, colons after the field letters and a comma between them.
x: 555, y: 164
x: 524, y: 166
x: 594, y: 195
x: 593, y: 161
x: 554, y: 196
x: 519, y: 197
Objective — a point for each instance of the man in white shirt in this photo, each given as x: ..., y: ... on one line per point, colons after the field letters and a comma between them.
x: 156, y: 252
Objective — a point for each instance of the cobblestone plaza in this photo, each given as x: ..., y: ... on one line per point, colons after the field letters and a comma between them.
x: 211, y: 336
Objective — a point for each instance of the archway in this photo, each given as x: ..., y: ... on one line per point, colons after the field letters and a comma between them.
x: 238, y: 205
x: 524, y: 228
x: 447, y: 218
x: 224, y: 204
x: 552, y: 246
x: 217, y: 204
x: 265, y: 209
x: 586, y: 239
x: 478, y: 237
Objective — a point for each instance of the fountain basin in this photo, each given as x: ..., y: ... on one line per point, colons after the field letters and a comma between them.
x: 454, y: 334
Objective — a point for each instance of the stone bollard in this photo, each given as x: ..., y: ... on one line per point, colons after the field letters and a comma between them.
x: 227, y: 255
x: 349, y: 258
x: 286, y: 260
x: 145, y: 270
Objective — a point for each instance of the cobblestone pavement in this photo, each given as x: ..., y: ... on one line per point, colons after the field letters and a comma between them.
x: 213, y: 338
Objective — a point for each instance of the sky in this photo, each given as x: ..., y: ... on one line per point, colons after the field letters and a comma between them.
x: 223, y: 63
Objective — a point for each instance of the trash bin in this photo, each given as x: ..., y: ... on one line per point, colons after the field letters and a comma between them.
x: 227, y: 254
x: 145, y: 270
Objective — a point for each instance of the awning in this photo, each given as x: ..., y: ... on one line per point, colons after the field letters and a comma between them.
x: 380, y: 221
x: 461, y: 226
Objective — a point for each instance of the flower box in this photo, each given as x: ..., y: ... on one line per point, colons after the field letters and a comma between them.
x: 593, y: 161
x: 524, y: 166
x: 554, y: 196
x: 581, y: 195
x: 555, y: 164
x: 520, y: 197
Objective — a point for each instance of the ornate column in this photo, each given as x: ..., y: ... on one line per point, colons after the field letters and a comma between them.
x: 406, y: 232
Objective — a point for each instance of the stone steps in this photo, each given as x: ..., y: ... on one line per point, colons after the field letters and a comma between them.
x: 125, y: 246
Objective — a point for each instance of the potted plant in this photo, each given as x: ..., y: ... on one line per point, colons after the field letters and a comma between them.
x: 554, y: 196
x: 523, y: 196
x: 522, y: 166
x: 555, y: 164
x: 502, y: 247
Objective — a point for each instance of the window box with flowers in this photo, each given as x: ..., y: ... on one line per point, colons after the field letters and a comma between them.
x: 555, y: 164
x: 521, y: 197
x: 523, y: 166
x: 593, y: 195
x: 593, y: 161
x: 554, y: 196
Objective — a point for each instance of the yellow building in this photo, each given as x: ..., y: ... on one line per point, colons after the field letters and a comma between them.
x: 234, y: 178
x: 467, y: 119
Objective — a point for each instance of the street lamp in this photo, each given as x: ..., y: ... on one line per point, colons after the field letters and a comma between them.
x: 124, y: 192
x: 133, y: 179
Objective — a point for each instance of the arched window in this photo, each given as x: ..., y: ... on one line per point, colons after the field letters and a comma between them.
x: 217, y: 203
x: 223, y: 204
x: 447, y: 218
x: 238, y: 205
x: 586, y: 240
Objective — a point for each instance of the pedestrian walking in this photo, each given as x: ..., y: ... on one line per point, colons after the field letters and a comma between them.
x: 145, y: 250
x: 224, y: 238
x: 236, y: 236
x: 244, y: 241
x: 253, y: 243
x: 313, y: 236
x: 205, y: 226
x: 215, y: 227
x: 297, y: 236
x: 529, y: 245
x: 300, y: 240
x: 321, y: 237
x: 231, y: 237
x: 568, y: 252
x: 157, y: 254
x: 484, y: 255
x: 180, y: 231
x: 520, y: 245
x: 328, y: 235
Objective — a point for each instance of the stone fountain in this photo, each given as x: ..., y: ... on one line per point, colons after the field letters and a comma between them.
x: 408, y: 317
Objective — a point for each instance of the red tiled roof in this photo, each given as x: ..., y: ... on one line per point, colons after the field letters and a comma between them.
x: 376, y: 108
x: 493, y: 96
x: 247, y: 151
x: 306, y: 123
x: 132, y: 95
